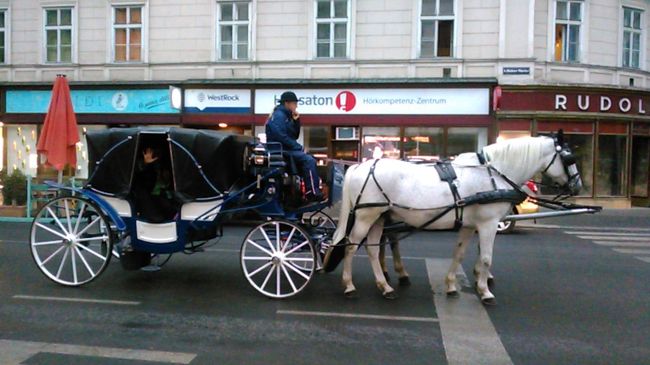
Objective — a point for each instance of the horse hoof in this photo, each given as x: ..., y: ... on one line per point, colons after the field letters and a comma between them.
x: 489, y: 301
x: 405, y: 281
x: 351, y: 294
x: 386, y: 276
x: 390, y: 295
x: 453, y: 294
x: 490, y: 283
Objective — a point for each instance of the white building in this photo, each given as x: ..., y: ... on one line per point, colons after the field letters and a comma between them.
x: 535, y: 65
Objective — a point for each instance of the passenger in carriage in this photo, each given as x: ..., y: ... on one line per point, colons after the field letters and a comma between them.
x: 152, y: 188
x: 283, y: 126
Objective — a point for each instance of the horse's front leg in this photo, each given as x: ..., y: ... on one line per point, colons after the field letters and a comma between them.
x: 487, y: 232
x: 372, y: 247
x: 349, y: 289
x: 382, y: 259
x: 490, y: 280
x: 464, y: 237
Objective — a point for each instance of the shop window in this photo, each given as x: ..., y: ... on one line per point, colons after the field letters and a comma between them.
x: 631, y: 37
x: 611, y: 175
x: 233, y: 30
x: 332, y: 28
x: 436, y: 28
x: 380, y: 142
x: 460, y: 140
x: 315, y: 142
x: 81, y: 170
x: 21, y: 148
x: 423, y: 144
x: 568, y: 20
x: 127, y: 34
x: 640, y: 166
x: 58, y: 35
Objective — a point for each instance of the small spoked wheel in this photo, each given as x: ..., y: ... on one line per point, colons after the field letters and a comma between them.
x: 278, y: 258
x: 71, y: 241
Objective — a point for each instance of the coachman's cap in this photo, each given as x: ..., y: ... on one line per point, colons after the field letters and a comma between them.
x: 288, y: 96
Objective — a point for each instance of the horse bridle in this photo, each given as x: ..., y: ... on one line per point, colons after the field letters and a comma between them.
x: 568, y: 163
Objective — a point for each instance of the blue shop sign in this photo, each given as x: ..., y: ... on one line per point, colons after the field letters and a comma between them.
x: 153, y: 101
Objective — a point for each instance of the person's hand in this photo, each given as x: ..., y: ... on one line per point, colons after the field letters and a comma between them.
x: 295, y: 115
x: 148, y: 156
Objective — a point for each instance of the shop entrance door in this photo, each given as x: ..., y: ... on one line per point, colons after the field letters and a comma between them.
x: 640, y: 170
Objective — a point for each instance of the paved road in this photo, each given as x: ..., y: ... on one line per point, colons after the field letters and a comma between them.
x: 572, y: 291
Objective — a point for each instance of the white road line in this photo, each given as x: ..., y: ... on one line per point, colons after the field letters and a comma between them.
x: 633, y: 251
x: 609, y: 233
x: 16, y: 352
x: 596, y: 228
x: 644, y: 258
x: 615, y: 238
x: 622, y: 244
x: 12, y: 241
x: 468, y: 334
x: 77, y: 300
x: 356, y: 315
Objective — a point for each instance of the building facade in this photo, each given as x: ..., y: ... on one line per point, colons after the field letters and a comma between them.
x: 411, y: 79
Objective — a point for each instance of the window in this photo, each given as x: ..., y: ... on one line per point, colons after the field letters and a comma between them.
x: 640, y: 165
x: 3, y: 37
x: 423, y: 143
x: 631, y: 37
x: 315, y: 142
x: 58, y: 35
x: 332, y: 28
x: 437, y: 28
x: 611, y: 173
x: 460, y: 140
x: 568, y: 18
x: 380, y: 142
x: 233, y: 30
x: 127, y: 34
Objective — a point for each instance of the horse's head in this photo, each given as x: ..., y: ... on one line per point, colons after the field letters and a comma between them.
x: 562, y: 169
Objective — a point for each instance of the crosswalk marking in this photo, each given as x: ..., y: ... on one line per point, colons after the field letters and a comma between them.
x: 468, y: 335
x: 622, y: 244
x: 615, y: 238
x: 629, y: 243
x: 640, y: 234
x: 633, y: 251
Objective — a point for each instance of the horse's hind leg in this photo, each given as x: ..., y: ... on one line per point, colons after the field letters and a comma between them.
x: 404, y: 279
x: 382, y: 258
x: 372, y: 247
x: 464, y: 237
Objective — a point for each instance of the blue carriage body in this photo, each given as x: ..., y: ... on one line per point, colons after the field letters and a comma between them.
x: 215, y: 174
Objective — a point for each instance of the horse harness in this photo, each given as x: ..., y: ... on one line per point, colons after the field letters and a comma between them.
x: 447, y: 174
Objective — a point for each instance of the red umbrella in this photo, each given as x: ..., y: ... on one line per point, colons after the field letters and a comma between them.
x: 59, y: 136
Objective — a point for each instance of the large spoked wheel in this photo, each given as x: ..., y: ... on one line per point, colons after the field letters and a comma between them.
x: 278, y: 259
x: 71, y: 241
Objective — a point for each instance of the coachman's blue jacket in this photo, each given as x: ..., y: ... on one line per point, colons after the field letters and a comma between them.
x: 282, y: 128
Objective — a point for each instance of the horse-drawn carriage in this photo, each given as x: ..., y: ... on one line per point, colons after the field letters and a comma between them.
x: 212, y: 176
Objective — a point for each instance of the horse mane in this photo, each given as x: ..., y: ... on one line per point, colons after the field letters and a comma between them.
x: 516, y: 156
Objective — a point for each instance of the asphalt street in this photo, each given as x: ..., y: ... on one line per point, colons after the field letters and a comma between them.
x: 569, y: 291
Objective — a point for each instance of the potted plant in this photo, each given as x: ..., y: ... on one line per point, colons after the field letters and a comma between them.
x: 14, y: 194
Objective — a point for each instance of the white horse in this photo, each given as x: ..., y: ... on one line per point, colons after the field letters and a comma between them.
x: 398, y: 185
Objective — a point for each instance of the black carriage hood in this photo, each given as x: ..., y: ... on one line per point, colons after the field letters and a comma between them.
x: 220, y: 157
x: 205, y: 163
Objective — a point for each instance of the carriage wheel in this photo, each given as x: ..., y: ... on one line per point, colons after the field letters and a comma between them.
x: 71, y: 241
x: 278, y: 259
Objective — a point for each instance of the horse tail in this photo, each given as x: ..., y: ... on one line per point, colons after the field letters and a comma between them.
x: 346, y: 208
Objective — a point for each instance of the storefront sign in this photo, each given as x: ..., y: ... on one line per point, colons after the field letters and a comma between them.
x: 217, y: 101
x: 381, y: 101
x: 94, y: 101
x: 602, y: 103
x: 516, y: 70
